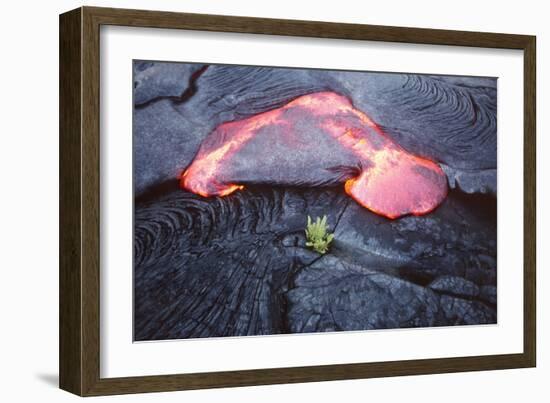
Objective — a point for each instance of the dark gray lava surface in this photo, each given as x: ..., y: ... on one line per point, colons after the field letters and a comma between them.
x: 238, y: 265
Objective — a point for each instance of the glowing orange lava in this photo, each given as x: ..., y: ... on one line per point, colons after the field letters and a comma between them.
x: 202, y: 175
x: 391, y: 182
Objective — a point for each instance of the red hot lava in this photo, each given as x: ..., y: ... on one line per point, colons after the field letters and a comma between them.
x: 389, y: 181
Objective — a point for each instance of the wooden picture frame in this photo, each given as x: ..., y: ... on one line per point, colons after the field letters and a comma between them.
x: 79, y: 201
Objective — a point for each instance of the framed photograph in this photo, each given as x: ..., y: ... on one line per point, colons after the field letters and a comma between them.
x: 250, y: 201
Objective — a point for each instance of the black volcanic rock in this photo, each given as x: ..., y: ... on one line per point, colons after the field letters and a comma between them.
x: 317, y: 140
x: 238, y: 265
x: 447, y: 119
x: 168, y: 134
x: 217, y: 267
x: 334, y: 295
x: 157, y: 80
x: 450, y: 120
x: 476, y: 181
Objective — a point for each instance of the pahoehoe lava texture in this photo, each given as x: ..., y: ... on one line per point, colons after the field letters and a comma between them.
x: 216, y: 267
x: 237, y: 265
x: 450, y: 120
x: 317, y: 140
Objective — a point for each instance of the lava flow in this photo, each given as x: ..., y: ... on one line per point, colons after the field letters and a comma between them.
x: 317, y: 139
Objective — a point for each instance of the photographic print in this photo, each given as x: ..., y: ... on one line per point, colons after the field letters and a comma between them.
x: 271, y: 200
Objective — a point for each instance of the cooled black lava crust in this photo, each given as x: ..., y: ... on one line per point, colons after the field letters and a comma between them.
x: 238, y: 265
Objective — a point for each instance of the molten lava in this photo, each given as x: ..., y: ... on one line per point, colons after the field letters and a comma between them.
x: 317, y: 139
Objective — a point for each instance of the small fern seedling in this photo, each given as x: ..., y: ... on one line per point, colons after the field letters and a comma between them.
x: 317, y: 236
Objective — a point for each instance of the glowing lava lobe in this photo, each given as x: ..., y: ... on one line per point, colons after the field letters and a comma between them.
x: 316, y: 140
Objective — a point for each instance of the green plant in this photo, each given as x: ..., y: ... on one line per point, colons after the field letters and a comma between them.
x: 317, y: 236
